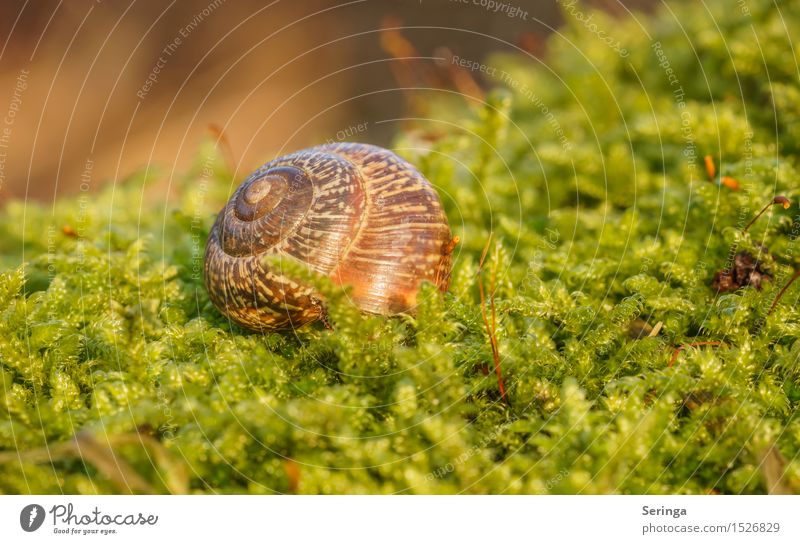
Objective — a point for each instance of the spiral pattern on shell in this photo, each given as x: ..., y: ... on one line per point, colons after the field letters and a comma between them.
x: 354, y: 212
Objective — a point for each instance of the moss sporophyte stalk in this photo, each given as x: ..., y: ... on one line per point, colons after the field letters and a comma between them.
x: 119, y: 375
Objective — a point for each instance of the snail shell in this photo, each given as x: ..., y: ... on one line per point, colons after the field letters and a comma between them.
x: 354, y: 212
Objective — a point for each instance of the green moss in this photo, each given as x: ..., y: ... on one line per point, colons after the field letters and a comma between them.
x: 586, y: 167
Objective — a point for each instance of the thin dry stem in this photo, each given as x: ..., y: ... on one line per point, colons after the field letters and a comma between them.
x: 225, y: 145
x: 782, y: 200
x: 782, y: 291
x: 491, y: 328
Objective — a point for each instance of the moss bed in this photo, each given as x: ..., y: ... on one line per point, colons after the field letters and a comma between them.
x: 587, y: 166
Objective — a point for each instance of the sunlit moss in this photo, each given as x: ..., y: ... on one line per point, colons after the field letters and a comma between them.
x: 606, y: 235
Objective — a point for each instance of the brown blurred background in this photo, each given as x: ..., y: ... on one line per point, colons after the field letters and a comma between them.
x: 125, y: 84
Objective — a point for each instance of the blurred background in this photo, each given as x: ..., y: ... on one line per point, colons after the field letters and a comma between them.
x: 99, y: 89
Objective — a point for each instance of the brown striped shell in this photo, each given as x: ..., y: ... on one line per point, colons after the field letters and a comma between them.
x: 354, y: 212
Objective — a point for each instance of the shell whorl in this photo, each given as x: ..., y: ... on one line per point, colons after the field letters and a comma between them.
x: 357, y: 213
